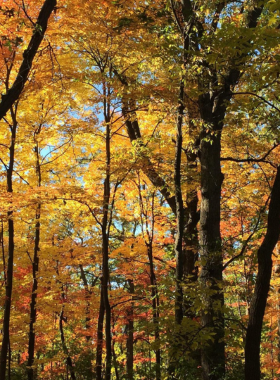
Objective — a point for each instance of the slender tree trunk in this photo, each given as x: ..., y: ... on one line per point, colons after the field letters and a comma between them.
x: 9, y: 361
x: 69, y: 362
x: 87, y: 297
x: 10, y: 261
x: 105, y: 246
x: 105, y: 230
x: 155, y: 305
x: 108, y: 314
x: 258, y: 303
x: 87, y: 323
x: 35, y: 269
x: 129, y: 341
x: 99, y: 348
x: 179, y: 211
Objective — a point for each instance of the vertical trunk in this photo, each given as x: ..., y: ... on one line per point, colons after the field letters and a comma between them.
x: 179, y: 211
x: 213, y: 105
x: 105, y: 246
x: 276, y: 272
x: 64, y: 346
x: 155, y: 305
x: 62, y: 318
x: 129, y: 342
x: 105, y: 230
x: 213, y: 356
x: 99, y: 348
x: 115, y: 363
x: 88, y: 366
x: 87, y: 297
x: 190, y: 249
x: 9, y: 361
x: 181, y: 259
x: 213, y: 366
x: 107, y: 310
x: 258, y: 303
x: 10, y: 261
x: 35, y: 268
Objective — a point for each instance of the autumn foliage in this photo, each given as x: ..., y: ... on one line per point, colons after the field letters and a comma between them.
x: 140, y: 196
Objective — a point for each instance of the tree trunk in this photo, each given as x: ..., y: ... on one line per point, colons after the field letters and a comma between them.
x: 35, y: 269
x: 155, y: 305
x: 99, y: 348
x: 87, y: 298
x: 64, y: 346
x: 105, y: 243
x: 258, y: 303
x: 40, y: 27
x: 129, y: 342
x: 10, y: 261
x: 179, y: 211
x: 213, y: 356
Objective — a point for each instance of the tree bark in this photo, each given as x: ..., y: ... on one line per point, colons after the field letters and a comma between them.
x: 179, y: 210
x: 213, y: 106
x: 105, y: 240
x: 99, y: 347
x: 213, y: 358
x: 129, y: 341
x: 35, y: 269
x: 10, y: 261
x: 69, y: 362
x: 40, y: 28
x: 258, y: 303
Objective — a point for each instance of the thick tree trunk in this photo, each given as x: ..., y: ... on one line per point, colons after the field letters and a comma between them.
x: 213, y: 356
x: 258, y: 303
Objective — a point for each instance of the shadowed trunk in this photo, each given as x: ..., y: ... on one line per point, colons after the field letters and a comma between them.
x: 69, y: 362
x: 258, y: 303
x: 40, y: 28
x: 10, y: 261
x: 35, y: 269
x: 99, y: 347
x: 129, y: 341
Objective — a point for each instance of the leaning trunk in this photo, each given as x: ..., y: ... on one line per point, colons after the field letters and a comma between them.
x: 258, y: 303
